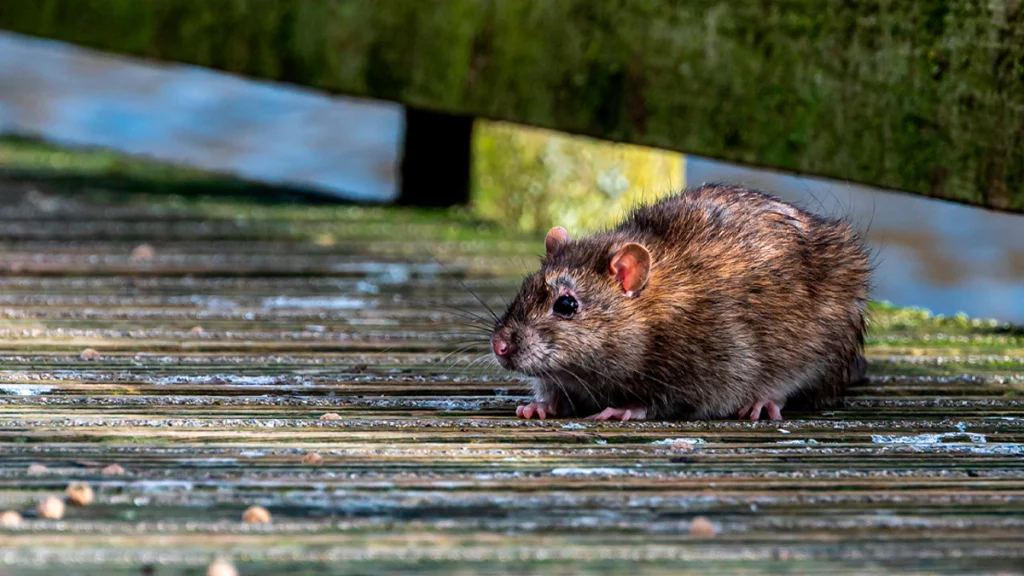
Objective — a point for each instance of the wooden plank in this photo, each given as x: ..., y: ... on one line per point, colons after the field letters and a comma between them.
x: 923, y: 97
x: 427, y: 470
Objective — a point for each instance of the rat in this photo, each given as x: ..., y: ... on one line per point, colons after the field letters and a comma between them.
x: 717, y: 301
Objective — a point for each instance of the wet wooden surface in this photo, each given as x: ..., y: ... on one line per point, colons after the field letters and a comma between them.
x: 221, y: 350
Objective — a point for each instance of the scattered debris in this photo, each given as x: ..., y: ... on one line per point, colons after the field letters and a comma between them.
x: 143, y: 252
x: 256, y: 515
x: 588, y: 472
x: 676, y: 442
x: 701, y: 527
x: 961, y: 433
x: 797, y: 441
x: 37, y: 469
x: 312, y: 459
x: 50, y: 508
x: 79, y: 494
x: 90, y: 354
x: 221, y: 568
x: 41, y: 201
x: 25, y: 389
x: 10, y: 519
x: 325, y: 240
x: 113, y: 470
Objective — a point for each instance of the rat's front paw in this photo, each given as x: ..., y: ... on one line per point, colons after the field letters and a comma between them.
x: 541, y: 409
x: 753, y: 410
x: 632, y: 412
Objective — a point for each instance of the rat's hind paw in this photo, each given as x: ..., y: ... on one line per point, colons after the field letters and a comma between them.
x: 753, y: 411
x: 624, y: 414
x: 541, y: 409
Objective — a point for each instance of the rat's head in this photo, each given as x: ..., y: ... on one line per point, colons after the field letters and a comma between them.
x: 579, y: 310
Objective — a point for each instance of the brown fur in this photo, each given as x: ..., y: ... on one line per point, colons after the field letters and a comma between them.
x: 748, y: 298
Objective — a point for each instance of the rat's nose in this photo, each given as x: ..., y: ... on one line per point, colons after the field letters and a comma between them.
x: 502, y: 344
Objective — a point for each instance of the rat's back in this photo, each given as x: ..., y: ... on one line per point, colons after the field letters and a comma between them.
x: 751, y: 298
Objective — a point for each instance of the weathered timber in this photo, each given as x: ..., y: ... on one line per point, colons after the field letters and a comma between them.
x: 925, y: 97
x: 221, y: 347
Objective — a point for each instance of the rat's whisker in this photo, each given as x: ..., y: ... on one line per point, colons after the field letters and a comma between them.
x: 468, y: 289
x: 465, y: 345
x: 469, y: 365
x: 565, y: 393
x: 468, y: 314
x: 474, y: 327
x: 484, y: 335
x: 461, y: 350
x: 485, y: 358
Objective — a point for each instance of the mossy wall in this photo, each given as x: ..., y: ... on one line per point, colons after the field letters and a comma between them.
x: 922, y: 96
x: 532, y: 179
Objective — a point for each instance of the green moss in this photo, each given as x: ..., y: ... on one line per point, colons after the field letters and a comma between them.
x: 918, y: 96
x: 107, y: 175
x: 893, y: 319
x: 531, y: 179
x: 104, y: 177
x: 26, y: 155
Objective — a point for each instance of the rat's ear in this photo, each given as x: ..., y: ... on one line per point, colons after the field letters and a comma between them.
x: 555, y: 238
x: 631, y: 266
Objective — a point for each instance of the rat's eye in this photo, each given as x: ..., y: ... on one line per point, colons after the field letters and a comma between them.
x: 566, y: 306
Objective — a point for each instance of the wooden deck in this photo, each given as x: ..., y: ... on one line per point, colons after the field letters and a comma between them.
x: 222, y: 348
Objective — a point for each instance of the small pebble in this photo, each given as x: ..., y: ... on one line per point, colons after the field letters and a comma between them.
x: 196, y: 330
x: 37, y: 469
x: 143, y: 252
x: 51, y: 508
x: 256, y: 515
x: 90, y: 354
x: 313, y: 459
x: 325, y: 240
x: 79, y: 494
x: 113, y: 470
x: 221, y: 568
x: 10, y: 519
x: 331, y: 416
x: 701, y: 527
x: 41, y: 201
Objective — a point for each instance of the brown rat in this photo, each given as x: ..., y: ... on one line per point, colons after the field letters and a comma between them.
x: 718, y: 301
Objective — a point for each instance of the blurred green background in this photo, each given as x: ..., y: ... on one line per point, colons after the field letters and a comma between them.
x: 524, y: 179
